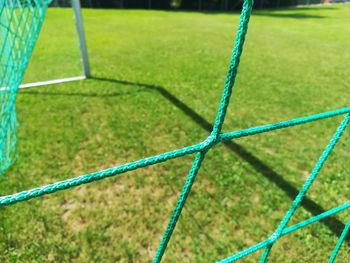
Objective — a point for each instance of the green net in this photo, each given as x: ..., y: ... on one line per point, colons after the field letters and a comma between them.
x: 20, y: 23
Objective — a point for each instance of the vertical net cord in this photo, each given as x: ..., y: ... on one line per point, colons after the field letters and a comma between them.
x: 233, y: 67
x: 179, y: 206
x: 214, y: 137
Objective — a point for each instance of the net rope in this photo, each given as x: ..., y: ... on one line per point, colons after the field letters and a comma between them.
x: 20, y: 24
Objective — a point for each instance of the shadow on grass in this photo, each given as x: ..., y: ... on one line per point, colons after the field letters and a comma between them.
x: 295, y: 15
x: 282, y: 12
x: 333, y: 224
x: 82, y: 94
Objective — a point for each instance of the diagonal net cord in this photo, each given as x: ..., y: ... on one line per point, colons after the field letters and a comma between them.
x: 268, y: 243
x: 339, y: 243
x: 20, y: 48
x: 306, y: 186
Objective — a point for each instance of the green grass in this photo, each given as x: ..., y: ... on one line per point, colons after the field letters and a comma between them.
x: 296, y: 62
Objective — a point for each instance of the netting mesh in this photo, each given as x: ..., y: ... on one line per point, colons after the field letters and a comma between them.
x: 20, y: 23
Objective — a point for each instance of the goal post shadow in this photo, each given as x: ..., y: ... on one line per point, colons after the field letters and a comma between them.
x: 332, y: 223
x: 216, y: 136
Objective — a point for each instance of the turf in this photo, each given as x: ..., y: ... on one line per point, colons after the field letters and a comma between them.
x: 157, y: 82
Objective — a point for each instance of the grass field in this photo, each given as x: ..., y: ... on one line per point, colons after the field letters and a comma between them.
x: 157, y: 82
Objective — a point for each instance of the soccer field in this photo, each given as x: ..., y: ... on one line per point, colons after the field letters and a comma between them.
x: 156, y: 86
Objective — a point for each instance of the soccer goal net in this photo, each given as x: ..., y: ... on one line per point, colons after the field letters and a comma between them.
x: 20, y: 23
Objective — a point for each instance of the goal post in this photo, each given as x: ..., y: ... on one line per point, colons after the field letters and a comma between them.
x: 81, y: 35
x: 86, y: 73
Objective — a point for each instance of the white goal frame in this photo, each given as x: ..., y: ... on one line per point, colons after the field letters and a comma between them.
x: 83, y: 53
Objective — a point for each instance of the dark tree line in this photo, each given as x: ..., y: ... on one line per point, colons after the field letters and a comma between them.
x: 225, y: 5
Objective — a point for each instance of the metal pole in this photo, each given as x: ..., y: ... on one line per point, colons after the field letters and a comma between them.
x: 49, y: 82
x: 46, y: 83
x: 81, y: 34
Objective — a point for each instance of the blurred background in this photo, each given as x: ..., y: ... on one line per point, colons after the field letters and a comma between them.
x: 226, y: 5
